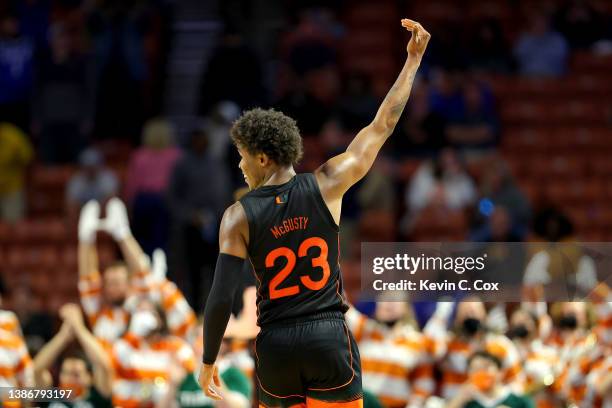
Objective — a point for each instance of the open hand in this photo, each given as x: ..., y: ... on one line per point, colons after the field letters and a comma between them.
x: 208, y: 375
x: 420, y: 37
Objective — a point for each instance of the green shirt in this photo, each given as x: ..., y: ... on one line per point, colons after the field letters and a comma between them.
x: 511, y: 401
x: 94, y: 400
x: 370, y: 400
x: 189, y: 393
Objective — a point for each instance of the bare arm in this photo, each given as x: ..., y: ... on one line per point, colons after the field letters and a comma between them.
x: 338, y: 174
x: 49, y: 353
x: 134, y: 255
x: 102, y: 367
x: 88, y: 259
x: 87, y: 253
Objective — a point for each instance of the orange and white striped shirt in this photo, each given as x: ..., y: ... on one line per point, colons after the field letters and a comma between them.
x: 598, y: 373
x: 541, y: 373
x: 108, y: 322
x: 454, y: 364
x: 15, y: 363
x: 142, y: 370
x: 575, y: 380
x: 396, y: 364
x: 9, y: 322
x: 180, y: 317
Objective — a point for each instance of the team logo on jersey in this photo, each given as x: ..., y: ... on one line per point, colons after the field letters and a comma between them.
x: 281, y: 199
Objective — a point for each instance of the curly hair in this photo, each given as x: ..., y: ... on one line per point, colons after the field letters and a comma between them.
x: 270, y: 132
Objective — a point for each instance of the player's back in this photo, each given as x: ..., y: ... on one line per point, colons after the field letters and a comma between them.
x: 293, y: 246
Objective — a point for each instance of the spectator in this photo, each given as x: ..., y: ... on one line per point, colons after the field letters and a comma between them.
x: 539, y: 361
x: 499, y: 228
x: 443, y: 182
x: 422, y: 130
x: 469, y: 335
x: 225, y: 77
x: 486, y: 387
x: 149, y: 363
x: 579, y: 23
x: 93, y: 181
x: 88, y: 378
x: 148, y: 175
x: 217, y: 125
x: 393, y: 333
x: 36, y: 322
x: 498, y: 189
x: 16, y: 65
x: 309, y: 112
x: 63, y: 75
x: 17, y: 370
x: 310, y: 44
x: 15, y: 154
x: 118, y: 31
x: 106, y: 299
x: 488, y: 48
x: 236, y: 388
x: 476, y: 127
x: 196, y: 209
x: 358, y: 105
x: 445, y: 93
x: 540, y: 51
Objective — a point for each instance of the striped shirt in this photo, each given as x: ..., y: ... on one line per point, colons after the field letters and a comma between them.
x: 142, y: 370
x: 180, y: 317
x: 9, y: 322
x: 108, y: 322
x: 454, y: 364
x: 15, y: 364
x: 396, y: 364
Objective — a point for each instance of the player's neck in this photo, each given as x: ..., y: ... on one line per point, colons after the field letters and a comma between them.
x: 279, y: 175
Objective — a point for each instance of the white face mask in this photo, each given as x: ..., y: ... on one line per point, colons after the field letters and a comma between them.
x: 143, y: 323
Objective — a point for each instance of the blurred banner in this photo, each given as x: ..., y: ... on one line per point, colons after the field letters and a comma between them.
x: 493, y: 271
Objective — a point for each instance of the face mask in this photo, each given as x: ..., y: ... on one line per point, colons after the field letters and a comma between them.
x: 143, y: 323
x: 77, y: 389
x: 568, y: 322
x: 482, y: 380
x: 519, y: 331
x: 471, y: 326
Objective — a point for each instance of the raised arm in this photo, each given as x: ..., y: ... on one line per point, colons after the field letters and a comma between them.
x: 101, y: 363
x: 337, y: 175
x: 118, y: 225
x: 88, y: 226
x: 49, y: 354
x: 90, y: 282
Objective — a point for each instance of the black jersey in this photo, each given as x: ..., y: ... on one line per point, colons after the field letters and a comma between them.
x: 293, y: 247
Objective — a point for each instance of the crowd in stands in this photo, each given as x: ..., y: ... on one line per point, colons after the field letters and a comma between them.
x: 136, y: 339
x: 138, y: 342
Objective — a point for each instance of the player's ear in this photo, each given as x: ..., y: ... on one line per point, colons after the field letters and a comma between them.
x: 263, y: 159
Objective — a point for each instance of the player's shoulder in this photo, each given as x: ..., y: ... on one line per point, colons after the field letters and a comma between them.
x: 234, y: 214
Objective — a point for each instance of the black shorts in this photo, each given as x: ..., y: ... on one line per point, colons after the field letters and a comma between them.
x: 314, y: 357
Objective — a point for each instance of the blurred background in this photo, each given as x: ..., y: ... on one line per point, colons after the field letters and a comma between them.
x: 507, y: 135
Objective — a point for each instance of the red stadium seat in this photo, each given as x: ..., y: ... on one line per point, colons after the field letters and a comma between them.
x: 437, y: 224
x: 6, y: 233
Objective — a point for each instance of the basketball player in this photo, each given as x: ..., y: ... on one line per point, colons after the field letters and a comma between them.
x: 287, y: 226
